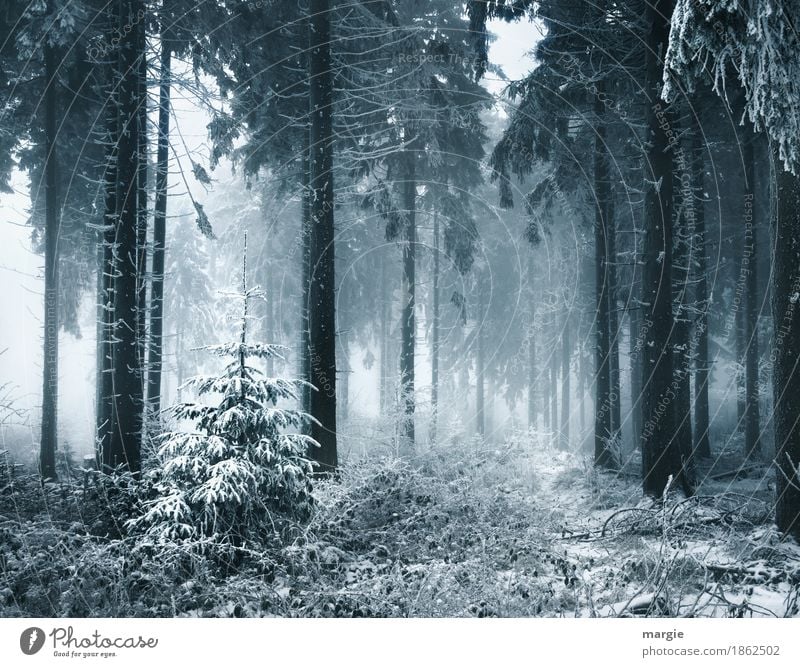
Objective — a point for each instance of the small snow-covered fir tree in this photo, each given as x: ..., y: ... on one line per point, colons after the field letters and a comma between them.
x: 229, y: 477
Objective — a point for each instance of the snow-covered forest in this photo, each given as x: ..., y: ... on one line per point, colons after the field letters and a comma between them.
x: 399, y: 308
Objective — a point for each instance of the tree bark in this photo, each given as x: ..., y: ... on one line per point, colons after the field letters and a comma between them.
x: 566, y: 350
x: 786, y: 351
x: 603, y: 424
x: 49, y: 437
x: 660, y: 460
x: 480, y: 393
x: 156, y: 340
x: 702, y: 446
x: 435, y: 333
x: 321, y: 310
x: 752, y: 428
x: 124, y: 443
x: 142, y: 173
x: 408, y: 320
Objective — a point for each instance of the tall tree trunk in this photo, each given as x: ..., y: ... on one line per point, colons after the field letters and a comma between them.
x: 105, y: 281
x: 156, y: 340
x: 124, y: 443
x: 305, y: 278
x: 752, y: 447
x: 270, y: 330
x: 634, y: 353
x: 141, y: 205
x: 614, y: 392
x: 701, y: 429
x: 321, y: 311
x: 740, y: 345
x: 532, y: 380
x: 603, y: 420
x: 384, y: 342
x: 344, y: 384
x: 681, y: 344
x: 435, y: 333
x: 49, y: 437
x: 659, y: 456
x: 480, y: 393
x: 786, y: 374
x: 554, y: 364
x: 408, y: 321
x: 566, y: 350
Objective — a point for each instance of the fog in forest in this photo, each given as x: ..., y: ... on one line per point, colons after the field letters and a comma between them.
x: 335, y: 295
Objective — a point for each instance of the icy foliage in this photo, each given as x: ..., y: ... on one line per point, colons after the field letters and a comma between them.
x: 224, y: 479
x: 757, y: 40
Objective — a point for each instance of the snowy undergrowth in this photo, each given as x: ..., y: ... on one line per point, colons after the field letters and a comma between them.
x: 518, y: 530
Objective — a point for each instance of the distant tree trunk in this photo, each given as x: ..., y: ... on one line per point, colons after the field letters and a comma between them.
x: 532, y: 380
x: 614, y: 392
x: 554, y: 364
x: 752, y: 446
x: 636, y: 372
x: 660, y: 460
x: 603, y: 424
x: 480, y: 395
x: 702, y: 444
x: 321, y: 310
x: 384, y: 334
x: 344, y: 384
x: 786, y: 374
x: 124, y: 443
x: 305, y: 279
x: 49, y: 437
x: 270, y: 329
x: 156, y: 340
x: 435, y: 332
x: 566, y: 350
x: 408, y: 321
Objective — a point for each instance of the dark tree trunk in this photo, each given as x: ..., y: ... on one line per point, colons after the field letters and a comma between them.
x: 660, y: 459
x: 566, y: 350
x: 141, y: 205
x: 156, y: 340
x: 701, y: 429
x: 125, y: 440
x: 435, y: 333
x: 305, y: 279
x: 554, y: 364
x: 321, y: 303
x: 408, y: 320
x: 752, y: 447
x: 105, y: 282
x: 47, y: 460
x: 634, y: 353
x: 613, y: 319
x: 786, y: 374
x: 603, y: 421
x: 681, y: 343
x: 739, y: 332
x: 480, y: 394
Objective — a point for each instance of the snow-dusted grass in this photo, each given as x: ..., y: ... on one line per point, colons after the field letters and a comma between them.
x: 515, y: 530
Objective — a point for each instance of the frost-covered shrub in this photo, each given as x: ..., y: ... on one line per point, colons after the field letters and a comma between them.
x: 223, y: 482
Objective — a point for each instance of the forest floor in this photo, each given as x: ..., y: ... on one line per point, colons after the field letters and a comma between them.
x: 520, y: 529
